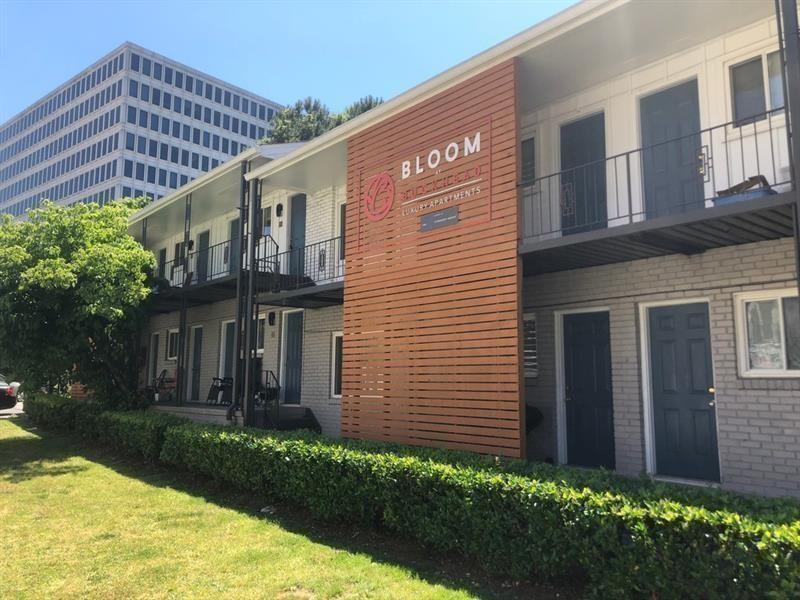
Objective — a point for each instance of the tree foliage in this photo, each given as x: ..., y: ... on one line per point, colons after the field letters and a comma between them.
x: 309, y: 118
x: 72, y: 289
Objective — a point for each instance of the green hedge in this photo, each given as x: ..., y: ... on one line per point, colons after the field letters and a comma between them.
x: 56, y: 412
x: 625, y: 544
x: 136, y: 433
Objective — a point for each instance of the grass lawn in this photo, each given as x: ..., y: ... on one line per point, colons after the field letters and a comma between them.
x: 77, y: 521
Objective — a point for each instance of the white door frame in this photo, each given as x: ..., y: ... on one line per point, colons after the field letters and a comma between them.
x: 282, y: 350
x: 561, y: 406
x: 646, y: 377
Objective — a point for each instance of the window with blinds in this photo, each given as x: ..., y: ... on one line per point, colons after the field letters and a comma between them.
x: 530, y: 356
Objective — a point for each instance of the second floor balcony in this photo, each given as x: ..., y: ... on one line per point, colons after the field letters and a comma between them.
x: 719, y: 186
x: 305, y: 276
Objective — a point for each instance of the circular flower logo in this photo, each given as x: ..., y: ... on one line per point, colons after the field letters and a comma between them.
x: 379, y: 197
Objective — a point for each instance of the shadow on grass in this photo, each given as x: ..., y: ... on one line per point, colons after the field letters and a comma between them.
x: 29, y: 457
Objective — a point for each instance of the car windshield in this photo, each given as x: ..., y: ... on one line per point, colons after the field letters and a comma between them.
x: 2, y: 379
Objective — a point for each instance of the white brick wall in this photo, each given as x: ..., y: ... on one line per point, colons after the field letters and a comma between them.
x: 758, y: 419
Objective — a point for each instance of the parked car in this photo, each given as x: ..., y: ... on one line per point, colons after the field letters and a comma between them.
x: 9, y: 392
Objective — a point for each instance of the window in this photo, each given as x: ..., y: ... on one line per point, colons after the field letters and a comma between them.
x: 337, y: 343
x: 750, y: 88
x: 172, y: 344
x: 528, y: 160
x: 133, y: 88
x: 768, y: 333
x: 529, y: 354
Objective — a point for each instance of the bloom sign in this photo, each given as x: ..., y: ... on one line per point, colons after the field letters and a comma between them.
x: 443, y: 175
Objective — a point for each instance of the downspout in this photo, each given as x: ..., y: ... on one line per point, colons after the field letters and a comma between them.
x: 789, y: 44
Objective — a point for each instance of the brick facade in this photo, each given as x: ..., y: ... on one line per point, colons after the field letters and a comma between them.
x: 758, y: 420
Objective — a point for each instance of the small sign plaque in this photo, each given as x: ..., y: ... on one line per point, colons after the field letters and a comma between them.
x: 440, y: 218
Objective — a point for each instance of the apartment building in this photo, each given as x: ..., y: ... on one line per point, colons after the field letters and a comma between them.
x: 578, y: 246
x: 134, y: 123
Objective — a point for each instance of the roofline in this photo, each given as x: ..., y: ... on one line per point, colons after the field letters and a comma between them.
x: 208, y: 76
x: 128, y: 45
x: 563, y: 21
x: 55, y: 90
x: 193, y: 185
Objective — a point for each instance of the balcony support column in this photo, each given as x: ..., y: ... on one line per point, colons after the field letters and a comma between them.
x: 237, y: 391
x: 181, y: 389
x: 789, y: 41
x: 251, y: 318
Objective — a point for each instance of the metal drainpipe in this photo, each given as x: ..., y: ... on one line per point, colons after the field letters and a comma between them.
x: 236, y: 395
x: 789, y: 44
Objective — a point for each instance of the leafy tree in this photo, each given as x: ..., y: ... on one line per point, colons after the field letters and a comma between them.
x: 73, y: 285
x: 304, y: 120
x: 309, y: 118
x: 358, y: 107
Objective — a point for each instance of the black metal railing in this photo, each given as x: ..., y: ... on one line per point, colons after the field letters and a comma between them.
x: 217, y: 261
x: 202, y: 265
x: 727, y: 163
x: 314, y: 264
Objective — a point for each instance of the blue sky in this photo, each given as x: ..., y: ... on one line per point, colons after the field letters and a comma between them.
x: 337, y: 51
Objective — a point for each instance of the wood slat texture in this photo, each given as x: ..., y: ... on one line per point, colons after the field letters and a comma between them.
x: 432, y: 319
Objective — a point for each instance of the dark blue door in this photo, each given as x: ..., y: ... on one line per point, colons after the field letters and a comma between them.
x: 684, y: 416
x: 197, y: 361
x: 588, y: 395
x: 234, y: 247
x: 297, y: 235
x: 202, y: 256
x: 672, y: 146
x: 293, y: 363
x: 583, y: 177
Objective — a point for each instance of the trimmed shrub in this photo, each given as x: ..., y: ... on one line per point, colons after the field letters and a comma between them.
x: 519, y: 520
x: 136, y: 433
x: 56, y: 412
x: 514, y: 524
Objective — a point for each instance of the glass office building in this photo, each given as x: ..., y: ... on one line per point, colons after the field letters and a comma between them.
x: 134, y: 123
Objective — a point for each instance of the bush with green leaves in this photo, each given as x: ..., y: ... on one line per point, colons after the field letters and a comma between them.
x: 136, y: 433
x: 57, y: 412
x: 73, y: 287
x: 517, y: 520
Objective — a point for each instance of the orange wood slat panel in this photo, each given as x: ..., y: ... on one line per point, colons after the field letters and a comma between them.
x: 432, y: 318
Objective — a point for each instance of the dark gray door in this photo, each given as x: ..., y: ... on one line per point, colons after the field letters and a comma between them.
x: 583, y: 177
x: 228, y: 349
x: 153, y: 359
x: 235, y: 247
x: 589, y: 400
x: 293, y: 362
x: 297, y: 235
x: 672, y: 145
x: 684, y: 416
x: 197, y: 358
x: 202, y: 256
